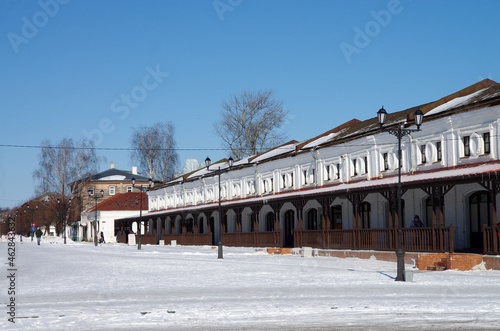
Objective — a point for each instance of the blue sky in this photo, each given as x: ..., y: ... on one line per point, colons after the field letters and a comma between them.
x: 66, y: 65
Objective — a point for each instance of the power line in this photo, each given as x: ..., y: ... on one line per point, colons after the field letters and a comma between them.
x: 192, y: 149
x: 111, y: 148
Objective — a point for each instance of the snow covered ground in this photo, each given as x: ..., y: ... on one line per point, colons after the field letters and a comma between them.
x: 116, y: 287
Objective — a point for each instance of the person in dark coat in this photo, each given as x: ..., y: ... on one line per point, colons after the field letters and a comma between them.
x: 38, y: 235
x: 416, y: 223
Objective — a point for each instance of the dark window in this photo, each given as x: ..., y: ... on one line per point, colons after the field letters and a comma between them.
x: 312, y: 220
x: 486, y: 141
x: 189, y: 226
x: 224, y: 223
x: 466, y: 146
x: 291, y: 179
x: 422, y: 153
x: 305, y: 176
x: 354, y: 167
x: 284, y: 180
x: 479, y: 206
x: 432, y: 208
x: 200, y: 226
x: 386, y: 163
x: 366, y: 165
x: 252, y: 222
x: 365, y: 215
x: 336, y: 217
x: 439, y: 151
x: 270, y: 221
x: 338, y: 170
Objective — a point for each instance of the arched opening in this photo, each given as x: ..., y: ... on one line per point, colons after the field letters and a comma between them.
x: 365, y: 209
x: 189, y: 226
x: 211, y: 224
x: 201, y: 225
x: 312, y: 219
x: 289, y: 226
x: 479, y: 207
x: 432, y: 208
x: 336, y: 217
x: 270, y: 221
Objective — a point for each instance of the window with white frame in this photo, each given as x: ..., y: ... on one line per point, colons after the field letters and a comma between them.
x: 423, y: 159
x: 338, y: 170
x: 354, y: 170
x: 91, y: 190
x: 236, y: 190
x: 466, y: 143
x: 439, y: 152
x: 328, y: 172
x: 111, y: 190
x: 385, y: 158
x: 486, y: 143
x: 129, y: 189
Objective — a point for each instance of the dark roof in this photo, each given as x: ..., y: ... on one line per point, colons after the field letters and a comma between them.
x: 123, y: 201
x: 117, y: 172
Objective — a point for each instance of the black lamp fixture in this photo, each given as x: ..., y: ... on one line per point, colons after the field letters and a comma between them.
x: 400, y: 132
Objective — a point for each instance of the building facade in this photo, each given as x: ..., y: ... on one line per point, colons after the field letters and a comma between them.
x: 339, y: 189
x: 118, y: 206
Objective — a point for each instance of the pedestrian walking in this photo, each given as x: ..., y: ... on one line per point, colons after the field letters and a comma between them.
x: 38, y: 235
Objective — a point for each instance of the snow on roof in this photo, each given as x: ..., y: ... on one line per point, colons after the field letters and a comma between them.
x: 113, y: 177
x: 274, y: 152
x: 322, y: 140
x: 454, y: 103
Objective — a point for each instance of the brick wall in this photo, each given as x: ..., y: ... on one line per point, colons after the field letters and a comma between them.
x: 492, y: 262
x: 423, y: 261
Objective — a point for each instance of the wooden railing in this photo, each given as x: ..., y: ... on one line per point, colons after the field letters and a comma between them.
x: 188, y: 239
x: 414, y: 239
x: 491, y: 239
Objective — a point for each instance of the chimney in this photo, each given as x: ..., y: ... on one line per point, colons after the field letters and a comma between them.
x: 134, y: 170
x: 112, y: 165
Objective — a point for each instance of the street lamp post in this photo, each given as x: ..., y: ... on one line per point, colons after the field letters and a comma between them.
x: 400, y: 132
x: 95, y: 197
x: 218, y: 172
x: 64, y: 216
x: 150, y: 181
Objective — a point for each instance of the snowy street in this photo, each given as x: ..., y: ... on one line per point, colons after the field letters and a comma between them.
x: 116, y: 287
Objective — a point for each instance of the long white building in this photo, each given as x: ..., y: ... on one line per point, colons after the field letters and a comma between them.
x: 339, y: 189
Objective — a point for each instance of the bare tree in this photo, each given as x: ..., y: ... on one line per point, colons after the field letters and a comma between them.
x: 250, y: 122
x: 154, y: 148
x: 64, y: 163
